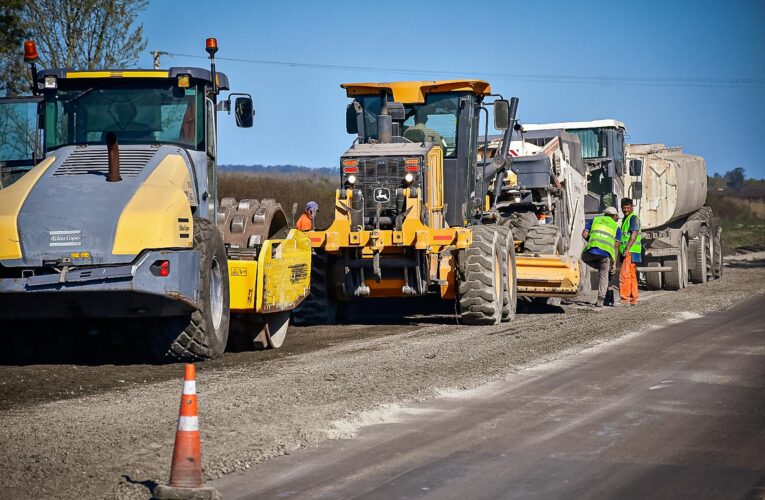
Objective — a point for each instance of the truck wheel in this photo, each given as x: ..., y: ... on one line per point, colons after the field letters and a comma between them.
x: 320, y: 307
x: 717, y: 263
x: 698, y: 251
x: 676, y: 279
x: 653, y: 281
x: 519, y: 223
x: 480, y: 288
x: 204, y: 333
x: 509, y: 277
x: 544, y: 239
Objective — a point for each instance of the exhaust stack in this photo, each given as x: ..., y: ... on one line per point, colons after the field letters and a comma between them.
x: 384, y: 122
x: 113, y: 151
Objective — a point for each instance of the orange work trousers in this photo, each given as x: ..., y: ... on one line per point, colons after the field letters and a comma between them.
x: 628, y: 285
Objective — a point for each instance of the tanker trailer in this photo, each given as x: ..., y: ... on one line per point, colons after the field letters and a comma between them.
x: 681, y: 240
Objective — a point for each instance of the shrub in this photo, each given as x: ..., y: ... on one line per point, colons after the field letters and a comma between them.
x: 285, y: 189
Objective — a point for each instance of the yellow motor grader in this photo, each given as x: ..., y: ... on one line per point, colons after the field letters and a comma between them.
x: 416, y: 212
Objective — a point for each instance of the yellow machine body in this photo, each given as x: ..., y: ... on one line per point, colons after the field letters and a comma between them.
x: 436, y: 239
x: 547, y: 275
x: 277, y: 281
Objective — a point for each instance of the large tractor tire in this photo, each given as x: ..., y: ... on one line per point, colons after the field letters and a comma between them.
x: 320, y: 307
x: 519, y: 223
x: 509, y: 276
x: 698, y: 251
x: 653, y: 281
x: 480, y: 287
x: 544, y: 239
x: 717, y: 263
x: 203, y: 334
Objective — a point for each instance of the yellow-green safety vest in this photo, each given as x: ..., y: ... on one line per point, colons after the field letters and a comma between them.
x: 637, y: 246
x: 603, y: 235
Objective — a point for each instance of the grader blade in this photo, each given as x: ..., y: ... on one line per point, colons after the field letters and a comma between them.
x: 547, y: 275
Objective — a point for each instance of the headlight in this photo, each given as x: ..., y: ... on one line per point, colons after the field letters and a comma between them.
x: 408, y: 178
x: 351, y: 180
x: 51, y: 82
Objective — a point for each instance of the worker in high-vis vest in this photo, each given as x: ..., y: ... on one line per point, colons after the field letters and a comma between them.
x: 630, y: 250
x: 603, y: 236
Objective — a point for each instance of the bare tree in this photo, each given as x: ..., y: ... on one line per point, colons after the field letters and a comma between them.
x: 80, y: 34
x: 12, y: 32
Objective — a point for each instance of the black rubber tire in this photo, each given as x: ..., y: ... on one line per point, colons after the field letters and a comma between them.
x: 320, y: 307
x: 519, y: 223
x: 676, y: 279
x: 509, y: 276
x: 653, y: 281
x: 697, y: 250
x: 717, y: 264
x: 544, y: 239
x: 480, y: 288
x: 195, y: 337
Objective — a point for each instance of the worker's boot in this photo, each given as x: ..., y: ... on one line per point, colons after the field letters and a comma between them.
x: 599, y: 303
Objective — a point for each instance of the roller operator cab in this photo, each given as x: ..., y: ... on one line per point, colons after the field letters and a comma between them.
x: 413, y: 213
x: 118, y: 220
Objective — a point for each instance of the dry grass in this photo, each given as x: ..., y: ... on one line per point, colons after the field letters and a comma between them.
x: 742, y: 220
x: 285, y: 189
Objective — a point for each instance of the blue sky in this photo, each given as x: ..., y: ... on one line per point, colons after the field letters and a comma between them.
x: 301, y: 111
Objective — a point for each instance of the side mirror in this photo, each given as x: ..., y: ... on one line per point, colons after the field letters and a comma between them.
x: 501, y: 114
x: 244, y: 112
x: 636, y: 167
x: 351, y: 123
x: 637, y: 190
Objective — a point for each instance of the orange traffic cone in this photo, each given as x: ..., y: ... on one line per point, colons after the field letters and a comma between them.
x: 186, y: 468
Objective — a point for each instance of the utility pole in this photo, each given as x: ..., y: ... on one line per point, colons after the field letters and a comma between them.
x: 156, y: 54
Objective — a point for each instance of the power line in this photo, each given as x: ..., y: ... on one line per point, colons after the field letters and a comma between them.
x: 537, y: 78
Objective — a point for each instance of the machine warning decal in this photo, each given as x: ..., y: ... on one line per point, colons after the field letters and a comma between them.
x: 298, y: 272
x: 65, y: 238
x: 238, y: 271
x: 382, y: 195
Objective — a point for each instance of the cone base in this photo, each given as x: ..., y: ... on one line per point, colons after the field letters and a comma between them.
x: 166, y: 492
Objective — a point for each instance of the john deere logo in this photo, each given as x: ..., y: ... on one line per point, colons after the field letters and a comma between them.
x: 382, y: 195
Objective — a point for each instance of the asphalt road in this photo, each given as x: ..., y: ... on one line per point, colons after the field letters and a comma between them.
x: 676, y: 412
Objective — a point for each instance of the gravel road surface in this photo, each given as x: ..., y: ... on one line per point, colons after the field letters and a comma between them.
x: 675, y: 412
x: 99, y: 430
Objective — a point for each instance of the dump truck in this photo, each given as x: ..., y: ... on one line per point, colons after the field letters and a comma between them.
x: 413, y: 213
x: 120, y: 220
x: 541, y: 200
x: 682, y: 243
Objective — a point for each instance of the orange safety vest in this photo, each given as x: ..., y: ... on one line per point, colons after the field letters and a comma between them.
x: 304, y: 222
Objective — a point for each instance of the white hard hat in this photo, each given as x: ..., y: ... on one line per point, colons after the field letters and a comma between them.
x: 610, y: 211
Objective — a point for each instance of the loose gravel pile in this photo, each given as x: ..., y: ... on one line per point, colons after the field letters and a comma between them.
x: 113, y: 438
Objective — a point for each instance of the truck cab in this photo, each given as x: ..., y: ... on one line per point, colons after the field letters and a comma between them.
x: 602, y: 144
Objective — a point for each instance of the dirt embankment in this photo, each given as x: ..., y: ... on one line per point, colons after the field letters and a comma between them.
x: 107, y: 431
